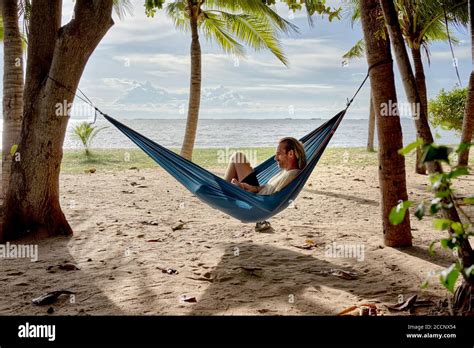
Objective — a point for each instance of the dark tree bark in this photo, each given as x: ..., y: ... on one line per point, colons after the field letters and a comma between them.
x: 392, y: 176
x: 371, y: 134
x: 32, y: 205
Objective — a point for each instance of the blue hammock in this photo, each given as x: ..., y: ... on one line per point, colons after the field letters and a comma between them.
x: 226, y: 197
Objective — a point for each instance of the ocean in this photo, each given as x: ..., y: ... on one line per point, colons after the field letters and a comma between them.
x: 239, y: 133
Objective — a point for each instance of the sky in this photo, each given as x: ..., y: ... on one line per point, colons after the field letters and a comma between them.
x: 141, y: 70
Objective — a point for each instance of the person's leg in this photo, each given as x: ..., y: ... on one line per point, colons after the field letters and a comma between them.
x: 238, y: 167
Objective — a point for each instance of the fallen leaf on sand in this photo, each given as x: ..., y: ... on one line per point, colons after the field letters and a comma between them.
x: 185, y: 298
x: 50, y: 297
x: 151, y: 222
x: 309, y: 244
x: 403, y: 306
x: 343, y: 274
x: 178, y: 227
x: 365, y: 309
x: 167, y: 270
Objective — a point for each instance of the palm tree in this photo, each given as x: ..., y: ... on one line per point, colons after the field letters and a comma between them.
x: 392, y: 176
x: 231, y: 24
x: 421, y: 22
x: 468, y: 121
x: 85, y: 132
x: 12, y: 85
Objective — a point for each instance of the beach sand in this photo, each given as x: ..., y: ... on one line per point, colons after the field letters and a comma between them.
x: 130, y: 225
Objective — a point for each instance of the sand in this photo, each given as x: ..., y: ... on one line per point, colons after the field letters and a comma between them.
x: 130, y: 226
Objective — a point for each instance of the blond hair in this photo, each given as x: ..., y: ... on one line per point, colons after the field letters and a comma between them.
x: 297, y: 146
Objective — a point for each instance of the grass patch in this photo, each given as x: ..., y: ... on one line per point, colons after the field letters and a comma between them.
x: 75, y: 161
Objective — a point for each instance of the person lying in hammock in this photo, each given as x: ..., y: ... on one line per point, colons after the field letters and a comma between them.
x: 290, y: 156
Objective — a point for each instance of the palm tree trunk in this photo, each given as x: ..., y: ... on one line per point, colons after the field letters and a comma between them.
x: 408, y: 78
x: 468, y: 121
x: 465, y: 253
x: 370, y: 139
x: 392, y: 176
x: 420, y: 80
x: 32, y: 206
x: 194, y: 91
x: 12, y: 87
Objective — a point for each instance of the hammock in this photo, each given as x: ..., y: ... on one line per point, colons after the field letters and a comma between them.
x: 226, y: 197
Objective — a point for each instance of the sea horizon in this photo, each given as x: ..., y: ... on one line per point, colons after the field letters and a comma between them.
x: 238, y: 133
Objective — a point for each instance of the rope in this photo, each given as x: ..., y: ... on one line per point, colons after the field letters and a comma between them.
x: 85, y: 99
x: 385, y: 61
x: 455, y: 63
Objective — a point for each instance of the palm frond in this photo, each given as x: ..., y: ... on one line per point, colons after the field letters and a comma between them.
x: 255, y: 32
x: 351, y: 10
x: 179, y: 14
x: 255, y: 8
x: 356, y: 51
x: 122, y: 7
x: 1, y: 29
x: 215, y: 28
x: 423, y: 21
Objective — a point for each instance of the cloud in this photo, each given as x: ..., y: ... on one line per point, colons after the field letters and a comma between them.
x: 145, y: 94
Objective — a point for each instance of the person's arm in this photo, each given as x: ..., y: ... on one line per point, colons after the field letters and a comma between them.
x: 250, y: 188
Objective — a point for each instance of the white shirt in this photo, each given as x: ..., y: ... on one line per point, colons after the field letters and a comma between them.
x: 279, y: 181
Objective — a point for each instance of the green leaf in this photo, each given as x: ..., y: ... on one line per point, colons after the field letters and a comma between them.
x: 435, y: 177
x: 448, y: 243
x: 431, y: 247
x: 443, y: 194
x: 469, y: 271
x: 425, y: 284
x: 457, y: 228
x: 463, y: 147
x: 434, y: 206
x: 469, y: 200
x: 449, y: 276
x: 436, y: 153
x: 458, y: 172
x: 397, y: 214
x: 442, y: 224
x: 410, y: 147
x: 420, y: 210
x: 13, y: 149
